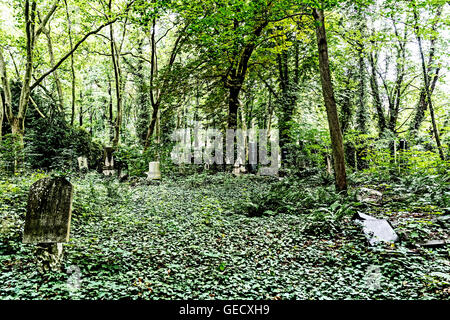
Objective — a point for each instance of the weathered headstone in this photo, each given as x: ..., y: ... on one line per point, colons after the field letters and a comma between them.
x: 47, y: 222
x: 108, y: 167
x: 82, y: 163
x: 376, y: 230
x: 154, y: 172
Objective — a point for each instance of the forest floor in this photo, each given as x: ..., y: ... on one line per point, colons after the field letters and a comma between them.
x: 188, y: 238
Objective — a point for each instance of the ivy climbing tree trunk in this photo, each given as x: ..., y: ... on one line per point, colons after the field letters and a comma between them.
x: 330, y: 103
x: 373, y: 57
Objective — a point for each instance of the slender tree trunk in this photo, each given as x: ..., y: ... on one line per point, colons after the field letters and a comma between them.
x: 157, y: 95
x: 55, y: 73
x: 154, y: 98
x: 422, y: 105
x: 81, y: 109
x: 115, y: 54
x: 233, y: 106
x: 2, y: 108
x: 143, y: 119
x: 287, y: 100
x: 346, y: 107
x: 110, y: 111
x: 330, y: 103
x: 361, y: 117
x: 376, y: 94
x: 6, y: 98
x: 18, y: 121
x: 237, y: 75
x: 72, y: 67
x: 427, y: 89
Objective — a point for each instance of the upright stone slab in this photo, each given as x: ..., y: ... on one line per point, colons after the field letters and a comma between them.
x: 108, y: 168
x: 47, y: 222
x: 82, y: 164
x: 154, y: 173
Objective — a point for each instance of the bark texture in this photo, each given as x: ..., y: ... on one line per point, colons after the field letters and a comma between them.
x: 330, y: 103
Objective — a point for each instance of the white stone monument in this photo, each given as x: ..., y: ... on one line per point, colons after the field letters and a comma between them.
x: 82, y: 163
x: 154, y: 173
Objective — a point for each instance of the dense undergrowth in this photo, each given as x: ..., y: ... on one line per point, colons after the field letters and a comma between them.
x: 219, y: 236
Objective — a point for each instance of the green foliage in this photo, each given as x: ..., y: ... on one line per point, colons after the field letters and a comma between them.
x: 136, y: 160
x: 53, y: 144
x: 10, y: 151
x: 177, y: 241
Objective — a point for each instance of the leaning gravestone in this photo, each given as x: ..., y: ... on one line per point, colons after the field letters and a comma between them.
x: 47, y: 222
x: 376, y: 230
x: 154, y: 173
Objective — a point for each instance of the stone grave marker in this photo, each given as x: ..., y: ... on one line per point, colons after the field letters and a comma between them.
x: 47, y: 222
x: 154, y: 173
x: 108, y: 167
x: 376, y: 230
x: 82, y: 163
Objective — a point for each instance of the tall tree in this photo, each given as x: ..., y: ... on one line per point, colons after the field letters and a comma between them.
x: 426, y: 78
x: 330, y: 103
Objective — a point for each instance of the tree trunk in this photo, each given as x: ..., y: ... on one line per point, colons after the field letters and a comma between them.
x: 362, y: 113
x: 376, y: 94
x: 233, y: 106
x: 330, y: 103
x: 55, y: 73
x: 427, y: 89
x: 81, y: 110
x: 115, y: 54
x: 72, y: 68
x: 154, y: 98
x: 287, y: 100
x: 422, y: 104
x: 1, y: 116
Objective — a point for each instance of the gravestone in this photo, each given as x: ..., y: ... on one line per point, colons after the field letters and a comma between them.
x: 108, y: 167
x: 82, y: 163
x: 47, y: 222
x: 376, y: 230
x: 154, y: 172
